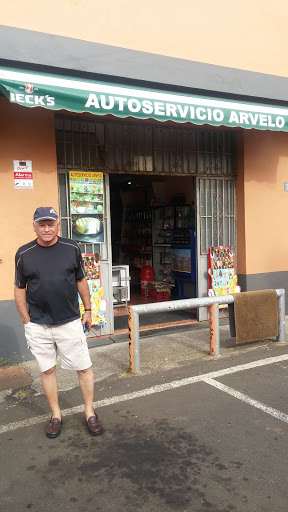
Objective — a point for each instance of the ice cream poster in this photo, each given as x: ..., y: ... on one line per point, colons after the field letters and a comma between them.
x: 221, y: 258
x: 98, y: 305
x: 222, y: 279
x: 91, y: 264
x: 223, y: 282
x: 87, y: 206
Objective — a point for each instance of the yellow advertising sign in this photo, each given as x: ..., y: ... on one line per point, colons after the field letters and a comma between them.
x: 86, y: 174
x: 87, y: 206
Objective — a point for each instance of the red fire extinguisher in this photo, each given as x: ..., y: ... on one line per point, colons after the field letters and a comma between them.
x: 146, y: 275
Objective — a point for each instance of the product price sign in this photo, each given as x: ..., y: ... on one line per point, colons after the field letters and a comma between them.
x: 87, y: 206
x: 23, y: 177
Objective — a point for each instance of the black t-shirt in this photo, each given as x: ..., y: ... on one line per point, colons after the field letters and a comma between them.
x: 50, y: 275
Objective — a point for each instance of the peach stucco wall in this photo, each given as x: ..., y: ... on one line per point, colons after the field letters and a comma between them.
x: 262, y: 203
x: 249, y: 35
x: 24, y: 134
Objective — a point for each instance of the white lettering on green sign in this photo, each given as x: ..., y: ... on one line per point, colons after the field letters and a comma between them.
x: 202, y: 114
x: 154, y: 107
x: 30, y: 99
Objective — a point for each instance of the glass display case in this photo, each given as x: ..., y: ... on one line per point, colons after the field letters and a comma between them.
x: 183, y: 256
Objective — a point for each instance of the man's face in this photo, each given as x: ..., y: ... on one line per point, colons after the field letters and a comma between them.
x: 46, y: 231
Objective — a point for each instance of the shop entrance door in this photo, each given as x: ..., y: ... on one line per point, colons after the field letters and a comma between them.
x: 216, y: 225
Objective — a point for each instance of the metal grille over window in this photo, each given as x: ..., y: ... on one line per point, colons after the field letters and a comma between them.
x: 126, y: 147
x: 80, y: 143
x: 217, y: 213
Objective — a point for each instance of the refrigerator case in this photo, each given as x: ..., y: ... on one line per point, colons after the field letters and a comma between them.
x: 183, y: 257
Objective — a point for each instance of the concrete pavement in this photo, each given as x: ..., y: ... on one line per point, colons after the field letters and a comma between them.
x: 190, y: 433
x: 165, y: 349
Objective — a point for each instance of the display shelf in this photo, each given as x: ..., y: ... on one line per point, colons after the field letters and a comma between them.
x: 136, y: 240
x: 165, y: 219
x: 150, y: 227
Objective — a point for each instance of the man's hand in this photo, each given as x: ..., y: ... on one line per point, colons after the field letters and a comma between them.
x: 21, y: 304
x: 83, y: 290
x: 87, y: 317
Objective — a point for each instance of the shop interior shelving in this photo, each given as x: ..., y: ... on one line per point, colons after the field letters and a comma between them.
x: 166, y: 218
x: 136, y: 240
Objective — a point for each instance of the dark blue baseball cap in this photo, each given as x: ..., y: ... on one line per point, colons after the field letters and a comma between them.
x: 45, y: 213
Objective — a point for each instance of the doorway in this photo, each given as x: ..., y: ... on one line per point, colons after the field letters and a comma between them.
x: 145, y: 212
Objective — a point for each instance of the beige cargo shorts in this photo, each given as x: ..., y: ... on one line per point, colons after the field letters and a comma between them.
x: 68, y: 341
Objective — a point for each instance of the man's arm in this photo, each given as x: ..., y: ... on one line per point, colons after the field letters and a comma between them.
x: 83, y: 290
x: 21, y: 304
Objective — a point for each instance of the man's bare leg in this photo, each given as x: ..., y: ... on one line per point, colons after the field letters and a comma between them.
x: 86, y: 383
x: 50, y: 388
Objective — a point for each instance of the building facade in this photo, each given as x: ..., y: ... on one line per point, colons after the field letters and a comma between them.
x: 186, y: 103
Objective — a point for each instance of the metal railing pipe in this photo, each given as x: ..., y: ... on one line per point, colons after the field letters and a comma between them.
x: 214, y: 330
x: 175, y: 305
x: 281, y: 338
x: 134, y: 344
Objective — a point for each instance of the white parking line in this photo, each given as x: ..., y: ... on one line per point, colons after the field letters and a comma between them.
x: 236, y: 394
x: 205, y: 377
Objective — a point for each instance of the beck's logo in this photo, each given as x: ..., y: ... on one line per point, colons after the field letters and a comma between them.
x: 29, y: 88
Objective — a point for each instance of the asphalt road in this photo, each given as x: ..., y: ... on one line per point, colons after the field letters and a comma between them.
x: 209, y: 435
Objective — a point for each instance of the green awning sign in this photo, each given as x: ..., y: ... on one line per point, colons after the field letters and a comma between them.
x: 55, y: 92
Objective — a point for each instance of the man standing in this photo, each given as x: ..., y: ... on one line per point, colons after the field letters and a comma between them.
x: 48, y: 275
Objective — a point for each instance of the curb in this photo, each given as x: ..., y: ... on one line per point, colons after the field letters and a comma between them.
x: 14, y: 377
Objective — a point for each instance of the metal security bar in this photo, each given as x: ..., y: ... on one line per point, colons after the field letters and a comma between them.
x: 143, y: 148
x: 217, y: 213
x: 212, y: 302
x: 80, y: 143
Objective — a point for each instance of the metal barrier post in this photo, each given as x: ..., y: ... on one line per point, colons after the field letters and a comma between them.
x: 134, y: 344
x: 214, y: 330
x: 211, y: 302
x: 281, y: 338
